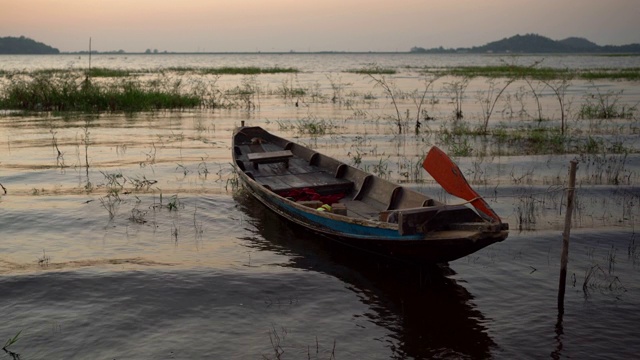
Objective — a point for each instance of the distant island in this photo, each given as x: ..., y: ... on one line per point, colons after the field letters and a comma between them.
x: 24, y: 45
x: 534, y: 43
x: 518, y: 44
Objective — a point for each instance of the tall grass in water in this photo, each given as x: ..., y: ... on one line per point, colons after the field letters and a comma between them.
x: 10, y: 342
x: 607, y: 105
x: 115, y: 72
x: 535, y: 72
x: 248, y: 70
x: 72, y: 93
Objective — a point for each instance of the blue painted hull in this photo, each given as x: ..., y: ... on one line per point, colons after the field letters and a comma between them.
x: 384, y: 242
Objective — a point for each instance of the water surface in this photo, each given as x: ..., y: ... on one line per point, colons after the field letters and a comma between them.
x: 124, y: 236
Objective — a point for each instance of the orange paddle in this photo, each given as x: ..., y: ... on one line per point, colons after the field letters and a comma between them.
x: 449, y: 176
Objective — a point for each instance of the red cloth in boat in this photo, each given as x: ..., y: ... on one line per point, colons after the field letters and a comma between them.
x: 307, y: 194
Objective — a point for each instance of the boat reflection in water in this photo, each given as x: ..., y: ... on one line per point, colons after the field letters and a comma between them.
x: 427, y: 313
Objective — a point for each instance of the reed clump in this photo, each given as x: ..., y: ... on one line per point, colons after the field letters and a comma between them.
x: 72, y: 93
x: 534, y: 72
x: 501, y: 71
x: 606, y: 105
x: 92, y: 72
x: 612, y: 74
x: 373, y: 70
x: 235, y: 70
x: 107, y: 72
x: 115, y: 72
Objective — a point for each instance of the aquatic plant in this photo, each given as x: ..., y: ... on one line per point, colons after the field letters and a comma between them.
x: 95, y: 72
x: 605, y: 105
x: 456, y: 139
x: 109, y: 72
x: 203, y: 171
x: 337, y: 87
x: 559, y: 88
x: 243, y: 95
x: 632, y: 250
x: 314, y: 127
x: 150, y: 156
x: 54, y: 142
x: 419, y: 99
x: 138, y: 216
x: 197, y: 226
x: 462, y: 147
x: 536, y: 92
x: 290, y: 88
x: 174, y: 233
x: 389, y: 87
x: 44, y: 260
x: 526, y: 213
x: 373, y: 69
x: 114, y: 182
x: 70, y: 93
x: 507, y: 70
x: 245, y: 70
x: 456, y: 90
x: 10, y: 342
x: 531, y: 140
x: 596, y: 278
x: 277, y: 339
x: 381, y: 168
x: 544, y: 141
x: 631, y: 74
x: 233, y: 180
x: 111, y: 203
x: 606, y: 169
x: 174, y: 203
x: 488, y: 99
x: 183, y: 169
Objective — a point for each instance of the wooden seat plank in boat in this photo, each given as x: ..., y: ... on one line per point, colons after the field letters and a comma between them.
x: 296, y: 166
x: 270, y: 157
x: 320, y: 181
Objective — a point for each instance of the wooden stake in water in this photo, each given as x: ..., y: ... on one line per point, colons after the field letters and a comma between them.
x: 565, y: 235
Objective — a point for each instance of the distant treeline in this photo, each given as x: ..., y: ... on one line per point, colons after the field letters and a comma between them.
x: 533, y: 43
x: 529, y: 43
x: 24, y: 45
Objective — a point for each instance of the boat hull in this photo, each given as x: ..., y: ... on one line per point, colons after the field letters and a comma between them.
x: 373, y: 235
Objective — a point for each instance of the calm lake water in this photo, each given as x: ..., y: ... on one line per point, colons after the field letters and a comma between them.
x: 123, y: 236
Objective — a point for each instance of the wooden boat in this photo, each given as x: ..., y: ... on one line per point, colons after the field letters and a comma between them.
x: 359, y: 209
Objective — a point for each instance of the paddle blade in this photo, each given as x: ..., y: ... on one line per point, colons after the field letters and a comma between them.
x: 449, y: 176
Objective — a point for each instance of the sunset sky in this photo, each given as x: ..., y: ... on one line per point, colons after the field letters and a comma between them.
x: 303, y: 25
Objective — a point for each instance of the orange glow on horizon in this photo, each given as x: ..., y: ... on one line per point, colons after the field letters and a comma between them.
x: 356, y: 25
